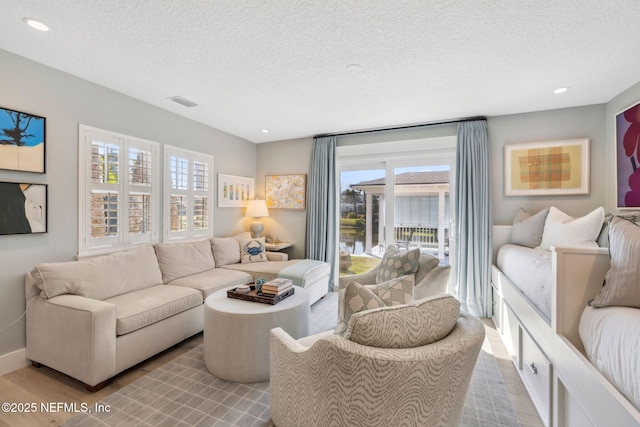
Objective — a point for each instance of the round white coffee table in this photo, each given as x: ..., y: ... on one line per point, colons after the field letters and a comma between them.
x: 236, y: 333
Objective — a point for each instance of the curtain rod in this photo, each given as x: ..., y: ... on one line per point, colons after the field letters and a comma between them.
x: 436, y: 123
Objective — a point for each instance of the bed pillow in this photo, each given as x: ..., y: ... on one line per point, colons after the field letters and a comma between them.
x: 561, y: 229
x: 410, y: 325
x: 527, y: 229
x: 359, y: 297
x: 252, y: 250
x: 395, y: 264
x: 622, y: 281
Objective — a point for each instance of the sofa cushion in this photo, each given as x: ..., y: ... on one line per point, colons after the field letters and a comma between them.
x: 395, y: 264
x: 184, y: 259
x: 100, y: 277
x: 410, y: 325
x: 252, y: 250
x: 527, y: 229
x: 562, y: 230
x: 141, y: 308
x: 622, y: 281
x: 226, y: 250
x: 359, y: 297
x: 210, y: 281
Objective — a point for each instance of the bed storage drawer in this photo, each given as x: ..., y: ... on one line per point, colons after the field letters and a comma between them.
x: 536, y: 375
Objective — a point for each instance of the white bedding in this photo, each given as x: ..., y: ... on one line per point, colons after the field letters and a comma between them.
x: 611, y: 338
x: 530, y: 271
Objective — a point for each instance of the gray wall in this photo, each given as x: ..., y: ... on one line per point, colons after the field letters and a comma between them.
x: 67, y: 101
x: 281, y: 158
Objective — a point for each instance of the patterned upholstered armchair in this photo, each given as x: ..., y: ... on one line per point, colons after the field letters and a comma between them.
x: 431, y: 279
x: 406, y: 365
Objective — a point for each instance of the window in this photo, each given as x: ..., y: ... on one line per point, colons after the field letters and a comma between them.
x: 188, y: 193
x: 118, y: 179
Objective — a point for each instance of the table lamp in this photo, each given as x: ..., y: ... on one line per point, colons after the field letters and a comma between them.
x: 256, y: 209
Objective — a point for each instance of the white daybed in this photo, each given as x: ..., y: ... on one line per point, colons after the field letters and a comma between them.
x: 545, y: 346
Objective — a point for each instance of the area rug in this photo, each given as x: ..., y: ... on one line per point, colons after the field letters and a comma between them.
x: 183, y: 393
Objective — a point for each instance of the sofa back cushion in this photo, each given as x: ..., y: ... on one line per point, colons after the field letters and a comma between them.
x: 100, y: 277
x: 418, y: 323
x: 226, y: 250
x: 178, y: 260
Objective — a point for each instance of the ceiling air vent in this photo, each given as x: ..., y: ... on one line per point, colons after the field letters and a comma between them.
x: 182, y: 101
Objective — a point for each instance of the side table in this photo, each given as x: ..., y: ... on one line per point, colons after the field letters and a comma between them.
x: 275, y: 247
x: 236, y: 333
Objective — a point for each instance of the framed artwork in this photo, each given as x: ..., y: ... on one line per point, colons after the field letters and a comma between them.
x: 23, y: 208
x: 547, y: 168
x: 285, y: 191
x: 628, y: 157
x: 22, y: 141
x: 234, y: 191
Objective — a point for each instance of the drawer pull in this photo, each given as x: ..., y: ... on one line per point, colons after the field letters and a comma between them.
x: 532, y: 367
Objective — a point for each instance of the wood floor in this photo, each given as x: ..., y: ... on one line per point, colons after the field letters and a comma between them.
x: 42, y: 385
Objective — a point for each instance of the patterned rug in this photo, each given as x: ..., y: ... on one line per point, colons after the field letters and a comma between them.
x: 183, y: 393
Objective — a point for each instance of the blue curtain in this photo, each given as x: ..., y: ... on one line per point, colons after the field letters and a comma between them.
x: 321, y: 203
x: 473, y: 219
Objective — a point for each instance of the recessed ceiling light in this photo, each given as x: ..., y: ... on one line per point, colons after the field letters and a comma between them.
x: 354, y: 68
x: 265, y: 131
x: 182, y: 101
x: 34, y: 23
x: 561, y: 90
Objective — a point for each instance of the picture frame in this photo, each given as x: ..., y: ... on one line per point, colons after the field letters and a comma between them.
x: 286, y: 191
x: 22, y: 141
x: 23, y: 208
x: 627, y: 157
x: 547, y: 168
x: 234, y: 191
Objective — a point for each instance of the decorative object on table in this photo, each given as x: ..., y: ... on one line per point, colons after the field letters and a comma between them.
x: 23, y: 208
x: 259, y: 283
x: 243, y: 289
x: 285, y: 191
x: 273, y: 240
x: 628, y: 157
x: 256, y: 296
x: 256, y: 209
x: 234, y: 191
x: 276, y: 287
x: 22, y: 141
x: 547, y: 168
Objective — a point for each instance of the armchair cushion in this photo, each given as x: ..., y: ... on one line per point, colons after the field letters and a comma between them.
x: 359, y: 297
x: 409, y: 325
x: 395, y: 264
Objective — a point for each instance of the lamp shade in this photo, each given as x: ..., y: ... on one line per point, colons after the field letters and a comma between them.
x: 257, y: 209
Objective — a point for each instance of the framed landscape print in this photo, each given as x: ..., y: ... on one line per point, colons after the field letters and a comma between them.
x: 547, y: 168
x: 628, y: 158
x: 285, y: 191
x: 23, y: 208
x: 234, y: 191
x: 22, y: 141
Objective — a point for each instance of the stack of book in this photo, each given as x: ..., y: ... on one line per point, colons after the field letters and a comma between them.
x: 276, y: 287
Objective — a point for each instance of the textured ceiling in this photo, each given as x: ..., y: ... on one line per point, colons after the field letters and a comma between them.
x: 284, y: 65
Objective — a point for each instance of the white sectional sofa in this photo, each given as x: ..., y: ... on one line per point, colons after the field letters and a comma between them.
x: 93, y: 318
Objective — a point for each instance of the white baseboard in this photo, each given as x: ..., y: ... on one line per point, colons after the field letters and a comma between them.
x: 11, y: 361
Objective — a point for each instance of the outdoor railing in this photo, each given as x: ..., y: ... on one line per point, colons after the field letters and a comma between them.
x: 420, y: 236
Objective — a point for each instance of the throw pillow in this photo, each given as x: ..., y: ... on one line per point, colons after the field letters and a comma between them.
x: 226, y: 250
x: 359, y: 297
x: 410, y: 325
x: 622, y: 281
x: 252, y: 250
x: 527, y: 229
x: 395, y: 264
x: 562, y: 230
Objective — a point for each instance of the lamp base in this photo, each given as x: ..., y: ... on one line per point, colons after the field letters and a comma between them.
x: 256, y: 228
